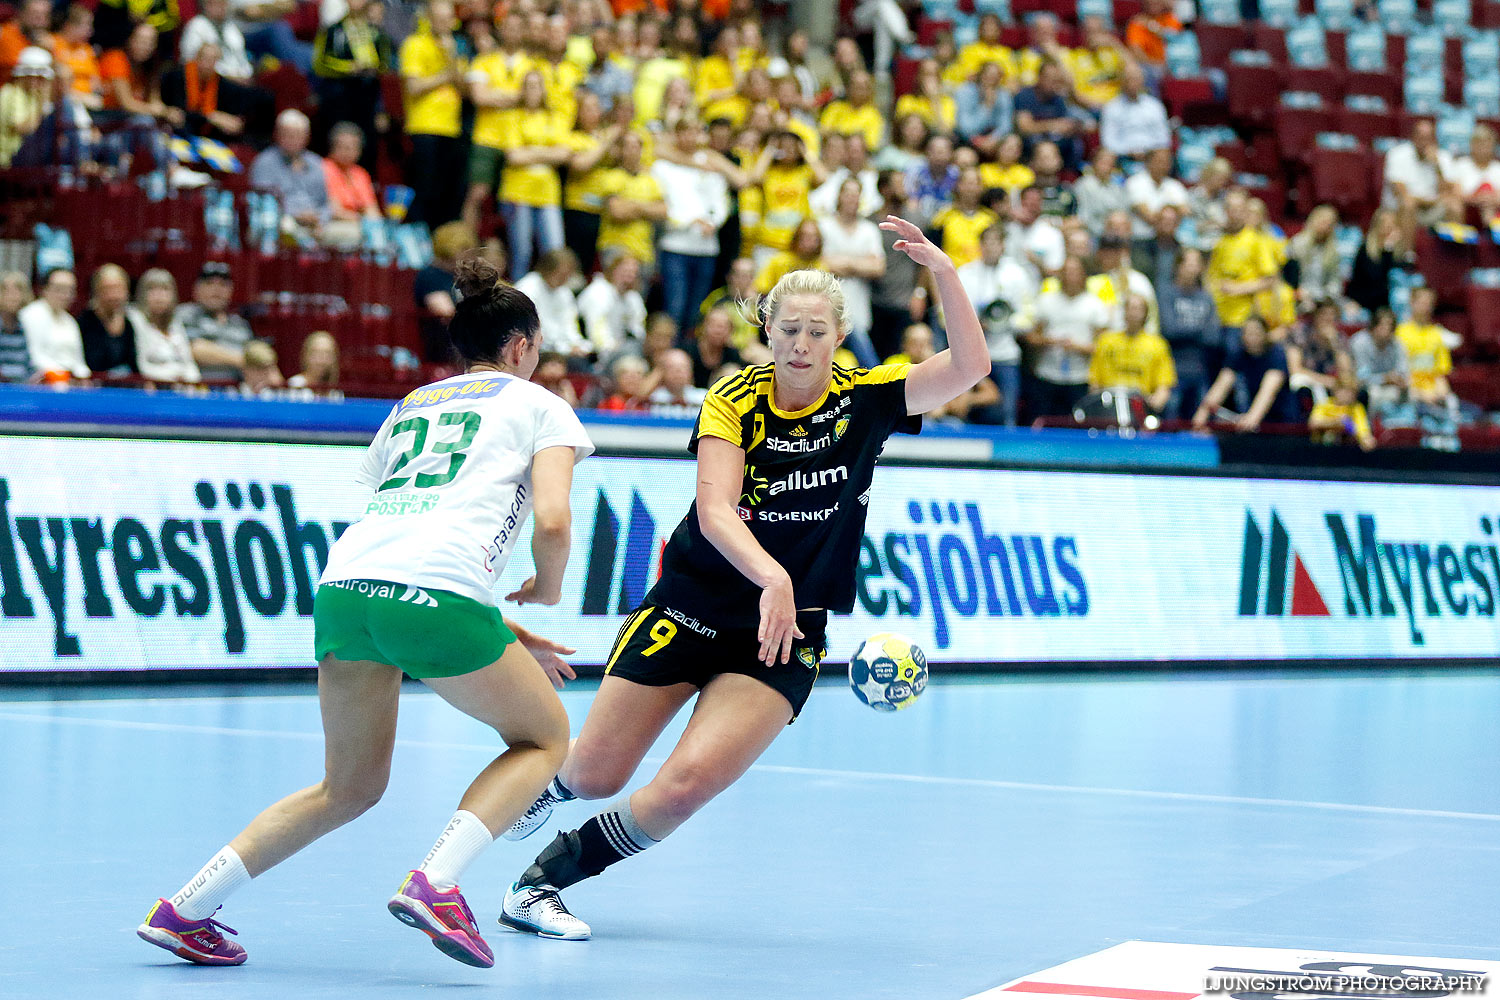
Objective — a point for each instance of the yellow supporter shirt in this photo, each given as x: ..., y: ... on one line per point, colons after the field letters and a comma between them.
x: 747, y: 59
x: 1331, y: 410
x: 1096, y: 74
x: 584, y: 192
x: 1425, y: 353
x: 651, y: 83
x: 845, y: 119
x: 972, y: 57
x: 537, y: 184
x: 961, y: 232
x: 1011, y: 179
x: 439, y: 111
x: 562, y: 81
x: 1142, y: 362
x: 1242, y: 256
x: 634, y: 236
x: 714, y: 74
x: 1277, y: 306
x: 783, y: 204
x: 780, y: 265
x: 940, y: 117
x: 500, y: 71
x: 1022, y: 67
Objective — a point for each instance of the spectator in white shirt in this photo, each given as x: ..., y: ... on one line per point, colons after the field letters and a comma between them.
x: 823, y: 201
x: 1004, y: 295
x: 613, y: 312
x: 1476, y: 177
x: 1416, y: 174
x: 213, y: 24
x: 1033, y: 239
x: 853, y: 251
x: 1069, y: 319
x: 1152, y: 189
x: 697, y: 207
x: 556, y: 306
x: 52, y: 334
x: 1134, y: 122
x: 162, y: 350
x: 674, y: 382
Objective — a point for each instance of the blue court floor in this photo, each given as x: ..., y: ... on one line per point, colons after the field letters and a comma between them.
x: 996, y: 828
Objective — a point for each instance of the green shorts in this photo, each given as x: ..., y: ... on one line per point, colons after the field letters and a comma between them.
x: 427, y: 633
x: 485, y: 163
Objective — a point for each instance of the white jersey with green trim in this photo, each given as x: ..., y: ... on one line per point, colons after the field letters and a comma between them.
x: 451, y: 475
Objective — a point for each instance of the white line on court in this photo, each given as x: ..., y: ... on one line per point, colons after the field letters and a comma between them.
x: 816, y: 772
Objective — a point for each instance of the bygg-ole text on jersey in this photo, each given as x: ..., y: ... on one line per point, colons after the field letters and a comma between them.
x: 451, y: 475
x: 804, y: 493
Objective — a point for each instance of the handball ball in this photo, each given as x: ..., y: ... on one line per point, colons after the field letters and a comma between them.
x: 888, y: 672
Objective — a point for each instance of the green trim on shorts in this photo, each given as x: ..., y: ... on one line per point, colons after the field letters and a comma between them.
x: 485, y: 164
x: 427, y: 633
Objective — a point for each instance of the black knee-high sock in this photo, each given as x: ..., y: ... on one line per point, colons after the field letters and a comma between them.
x: 611, y: 836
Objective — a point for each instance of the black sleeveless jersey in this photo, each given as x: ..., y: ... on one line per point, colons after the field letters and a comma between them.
x: 804, y: 495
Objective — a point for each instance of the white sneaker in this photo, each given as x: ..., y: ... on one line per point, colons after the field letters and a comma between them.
x: 539, y: 910
x: 532, y: 819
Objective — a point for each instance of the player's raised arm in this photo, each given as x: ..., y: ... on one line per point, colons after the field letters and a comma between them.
x: 721, y: 466
x: 946, y: 376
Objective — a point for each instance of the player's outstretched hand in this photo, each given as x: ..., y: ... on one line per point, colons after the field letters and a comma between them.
x: 915, y: 244
x: 528, y: 594
x: 778, y: 623
x: 550, y: 655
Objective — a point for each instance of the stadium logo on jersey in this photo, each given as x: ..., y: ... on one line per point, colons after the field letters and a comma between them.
x: 1278, y: 561
x: 798, y: 446
x: 1380, y: 578
x: 761, y: 488
x: 798, y: 432
x: 839, y: 428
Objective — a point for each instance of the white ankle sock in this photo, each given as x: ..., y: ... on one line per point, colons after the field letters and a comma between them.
x: 465, y: 839
x: 205, y: 891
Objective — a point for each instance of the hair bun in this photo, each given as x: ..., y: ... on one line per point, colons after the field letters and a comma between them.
x: 475, y: 275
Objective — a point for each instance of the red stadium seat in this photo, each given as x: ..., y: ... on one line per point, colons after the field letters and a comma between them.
x: 1254, y: 92
x: 1216, y: 41
x: 1366, y: 126
x: 1296, y: 128
x: 1183, y: 94
x: 928, y: 31
x: 1271, y: 41
x: 1342, y: 178
x: 1327, y: 83
x: 1445, y: 266
x: 1475, y: 384
x: 1384, y: 85
x: 1483, y: 306
x: 1125, y: 10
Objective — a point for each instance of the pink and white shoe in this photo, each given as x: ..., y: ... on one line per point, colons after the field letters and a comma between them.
x: 442, y: 916
x: 199, y: 941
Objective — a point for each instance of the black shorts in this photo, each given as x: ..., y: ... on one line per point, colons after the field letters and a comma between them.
x: 659, y: 646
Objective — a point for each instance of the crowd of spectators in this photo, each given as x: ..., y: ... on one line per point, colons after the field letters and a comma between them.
x: 657, y: 166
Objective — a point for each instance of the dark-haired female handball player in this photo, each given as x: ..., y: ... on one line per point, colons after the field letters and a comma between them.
x: 786, y: 455
x: 462, y: 459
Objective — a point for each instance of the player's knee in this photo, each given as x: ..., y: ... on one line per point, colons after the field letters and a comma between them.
x: 596, y: 782
x: 683, y: 792
x: 352, y: 797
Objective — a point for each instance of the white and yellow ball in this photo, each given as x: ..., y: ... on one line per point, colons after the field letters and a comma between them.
x: 888, y: 672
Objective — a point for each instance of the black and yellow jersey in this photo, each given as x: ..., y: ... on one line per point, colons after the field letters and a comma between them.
x: 804, y: 496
